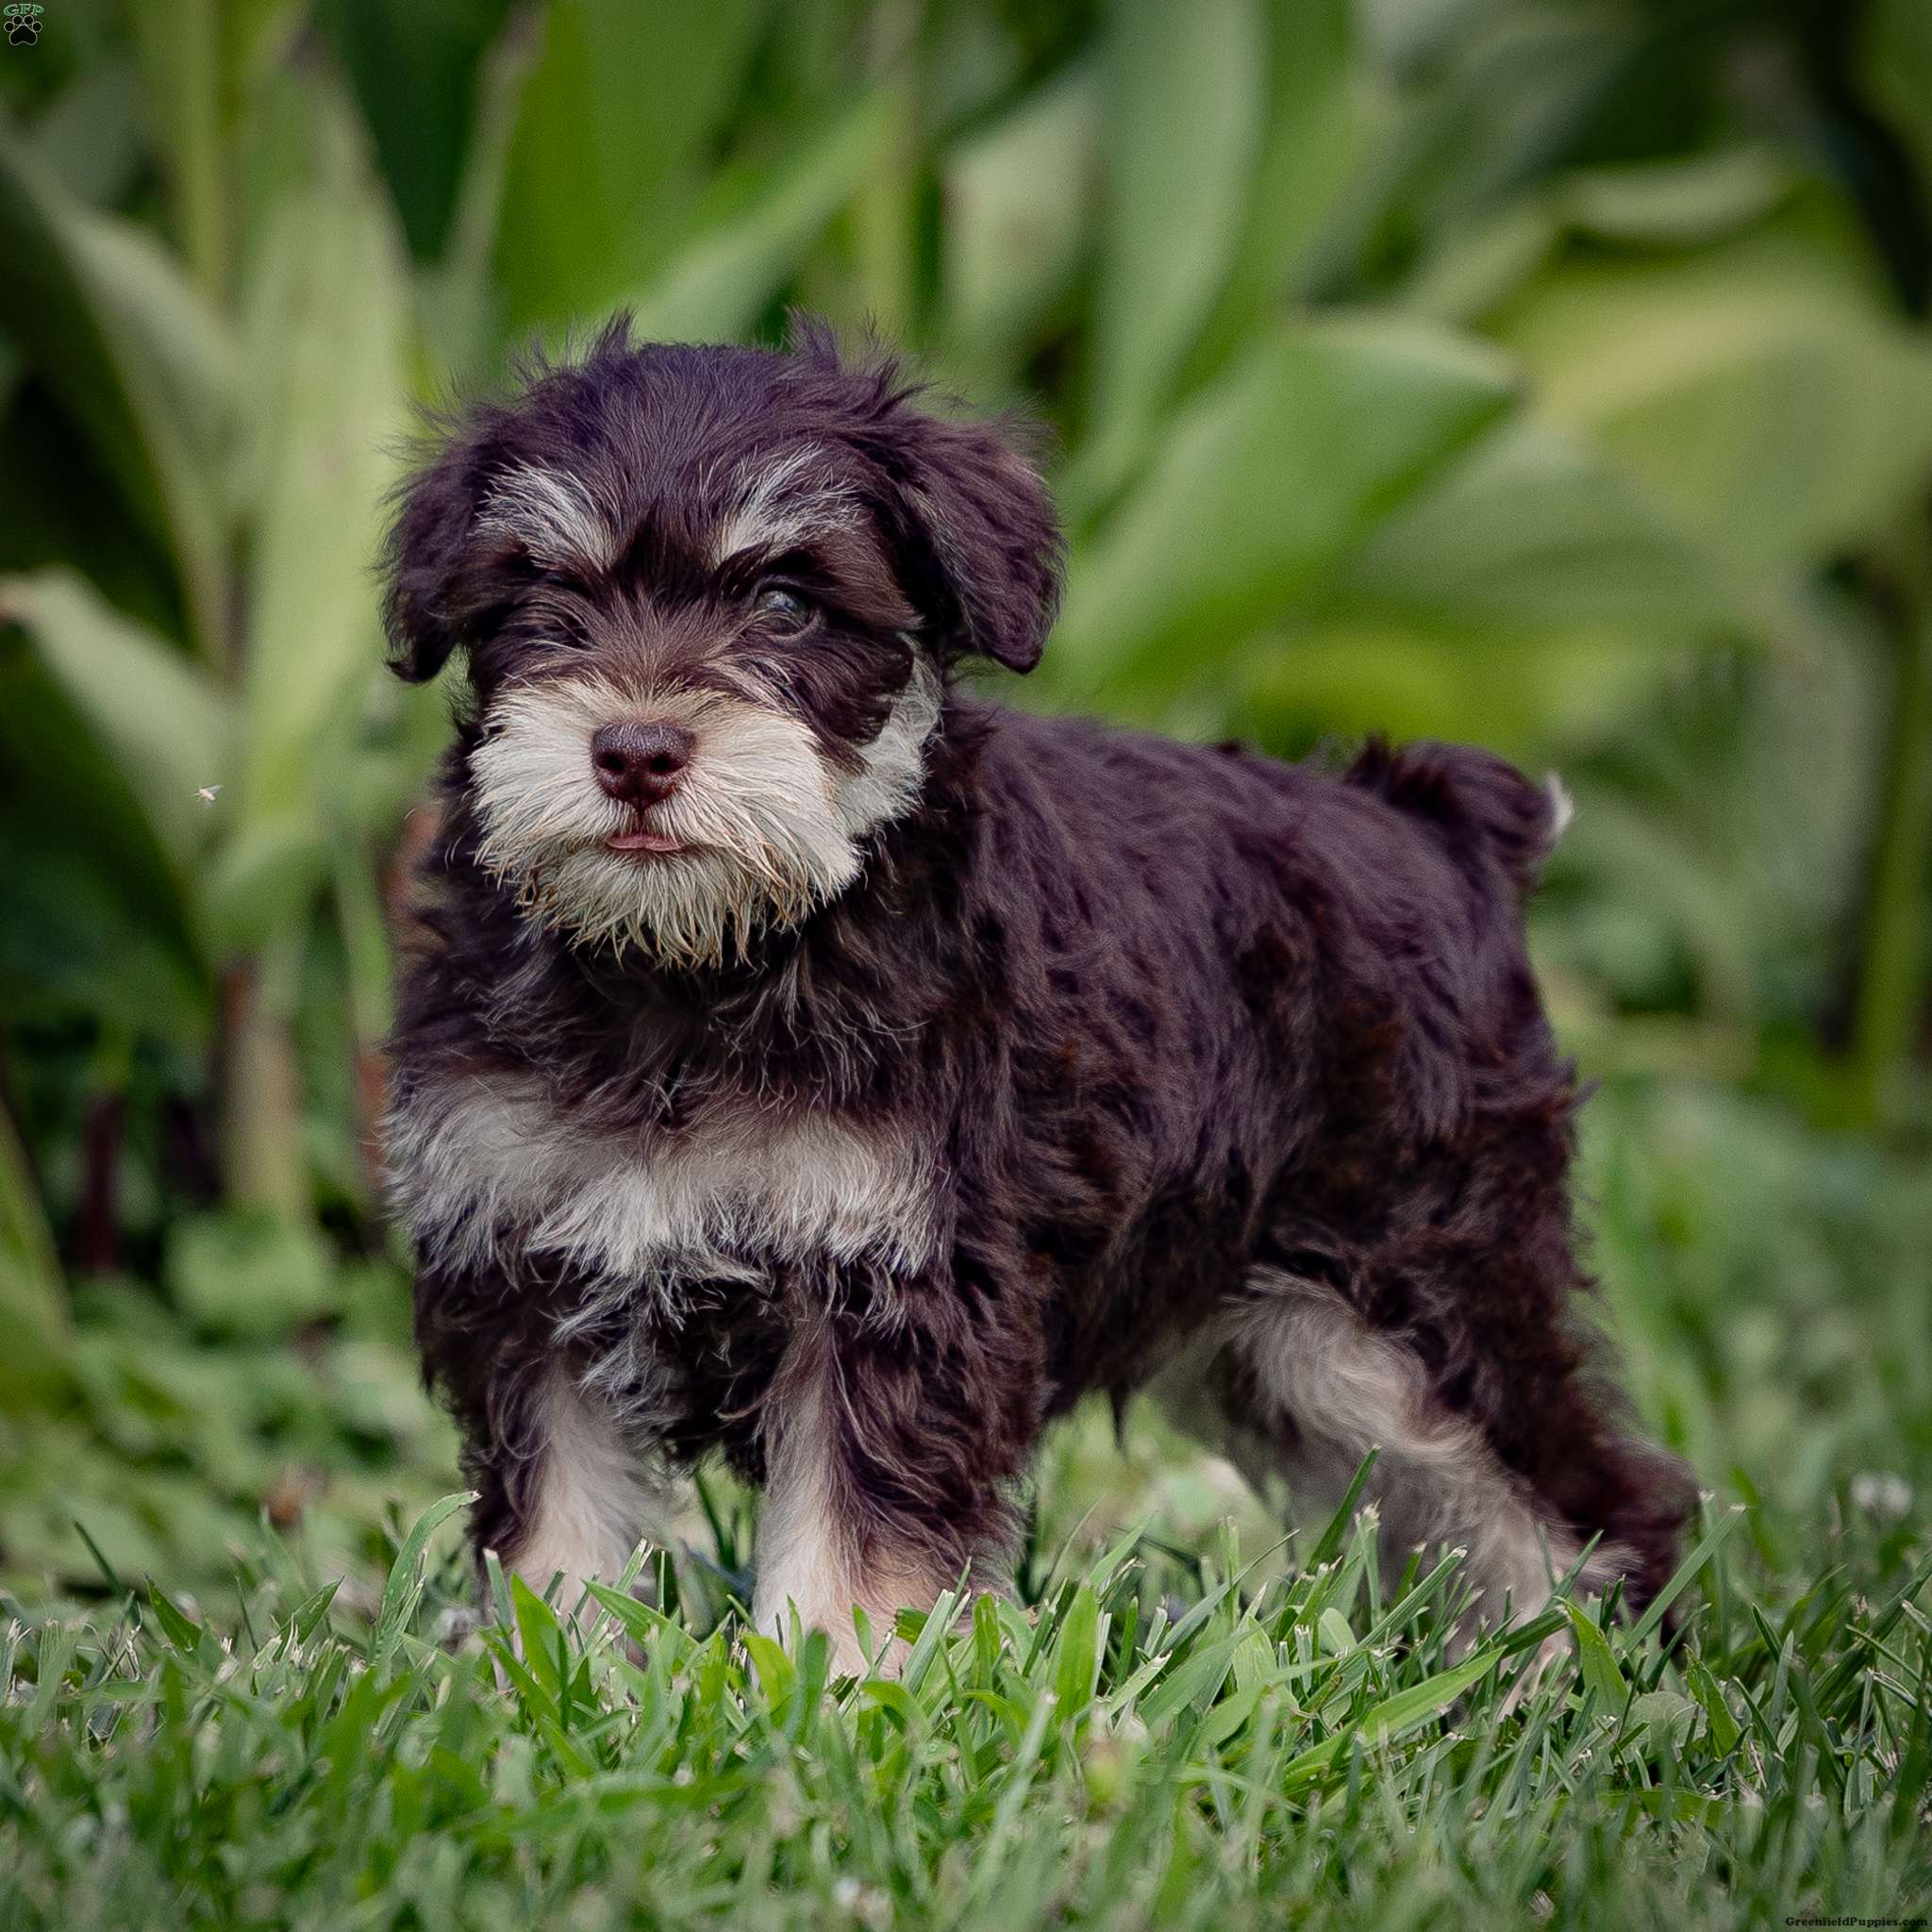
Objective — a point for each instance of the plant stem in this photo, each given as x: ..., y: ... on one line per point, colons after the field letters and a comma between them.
x: 181, y: 48
x: 884, y: 212
x: 262, y: 1159
x: 97, y: 1241
x: 1891, y: 980
x: 33, y: 1296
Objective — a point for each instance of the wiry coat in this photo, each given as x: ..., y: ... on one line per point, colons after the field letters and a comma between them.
x: 1116, y: 1048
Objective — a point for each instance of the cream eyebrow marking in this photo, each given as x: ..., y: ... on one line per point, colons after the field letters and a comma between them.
x: 551, y: 515
x: 765, y: 519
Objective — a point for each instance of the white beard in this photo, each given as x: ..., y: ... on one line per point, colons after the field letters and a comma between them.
x: 772, y: 829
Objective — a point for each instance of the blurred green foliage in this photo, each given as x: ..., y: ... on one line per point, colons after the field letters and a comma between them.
x: 1549, y: 375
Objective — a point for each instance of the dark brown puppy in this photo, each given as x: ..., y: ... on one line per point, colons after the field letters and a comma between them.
x: 805, y: 1061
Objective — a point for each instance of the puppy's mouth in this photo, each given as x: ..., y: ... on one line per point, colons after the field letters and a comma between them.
x: 646, y: 843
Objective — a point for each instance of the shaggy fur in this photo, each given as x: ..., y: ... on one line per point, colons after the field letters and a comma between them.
x: 912, y: 1067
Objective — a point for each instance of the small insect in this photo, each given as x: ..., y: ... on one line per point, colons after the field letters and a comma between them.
x: 208, y: 794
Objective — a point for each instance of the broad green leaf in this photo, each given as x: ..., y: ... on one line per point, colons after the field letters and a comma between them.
x: 459, y: 300
x: 1471, y: 267
x: 1676, y: 203
x: 414, y: 68
x: 133, y: 355
x: 99, y: 913
x: 614, y: 114
x: 749, y: 234
x: 60, y: 506
x: 1512, y: 90
x: 1470, y: 270
x: 1265, y: 483
x: 1184, y: 91
x: 1406, y: 35
x: 1759, y: 390
x: 1896, y: 49
x: 1532, y: 533
x: 325, y: 349
x: 1524, y: 695
x: 184, y: 348
x: 1020, y: 197
x: 264, y: 879
x: 90, y: 136
x: 1323, y: 114
x: 166, y: 726
x: 1532, y: 594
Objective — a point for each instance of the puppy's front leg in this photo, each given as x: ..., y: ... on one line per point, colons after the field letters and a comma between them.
x: 574, y: 1490
x: 884, y: 1453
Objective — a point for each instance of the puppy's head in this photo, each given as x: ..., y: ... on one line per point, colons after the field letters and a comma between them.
x: 707, y: 598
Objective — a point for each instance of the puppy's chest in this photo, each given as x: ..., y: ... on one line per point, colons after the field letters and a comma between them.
x: 490, y: 1168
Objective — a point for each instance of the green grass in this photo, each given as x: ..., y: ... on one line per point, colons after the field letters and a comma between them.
x: 1165, y: 1731
x: 1145, y: 1747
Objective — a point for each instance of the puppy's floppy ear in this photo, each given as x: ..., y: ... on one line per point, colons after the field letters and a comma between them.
x: 978, y: 547
x: 428, y: 545
x: 979, y: 544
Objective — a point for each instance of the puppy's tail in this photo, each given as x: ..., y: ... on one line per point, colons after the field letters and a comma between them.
x: 1479, y: 804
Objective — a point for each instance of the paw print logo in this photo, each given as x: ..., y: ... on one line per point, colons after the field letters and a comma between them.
x: 23, y: 25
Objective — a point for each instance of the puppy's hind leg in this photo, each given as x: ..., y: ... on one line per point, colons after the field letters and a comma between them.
x: 1325, y: 1388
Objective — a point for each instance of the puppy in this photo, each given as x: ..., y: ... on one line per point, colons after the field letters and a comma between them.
x: 804, y: 1061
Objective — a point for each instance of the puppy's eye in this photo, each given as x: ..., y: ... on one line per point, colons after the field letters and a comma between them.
x: 785, y: 610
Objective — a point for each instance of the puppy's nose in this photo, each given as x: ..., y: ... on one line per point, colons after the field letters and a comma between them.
x: 639, y: 763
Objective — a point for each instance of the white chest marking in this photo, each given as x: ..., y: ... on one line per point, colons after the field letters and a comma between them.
x: 488, y: 1166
